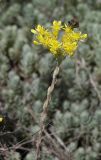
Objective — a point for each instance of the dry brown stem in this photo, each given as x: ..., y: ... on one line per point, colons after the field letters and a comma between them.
x: 57, y: 147
x: 44, y: 114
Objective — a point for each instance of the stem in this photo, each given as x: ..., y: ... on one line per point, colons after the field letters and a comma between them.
x: 45, y: 109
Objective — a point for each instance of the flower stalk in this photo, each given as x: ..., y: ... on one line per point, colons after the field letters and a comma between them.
x: 44, y: 114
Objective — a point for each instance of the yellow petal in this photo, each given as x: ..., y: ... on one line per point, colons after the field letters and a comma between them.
x: 84, y: 36
x: 56, y: 22
x: 33, y: 31
x: 1, y: 119
x: 35, y: 42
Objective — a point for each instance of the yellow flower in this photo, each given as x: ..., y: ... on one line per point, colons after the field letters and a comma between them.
x: 69, y: 47
x: 33, y: 31
x: 39, y: 29
x: 1, y: 119
x: 56, y: 28
x: 36, y: 42
x: 64, y: 45
x: 54, y: 46
x: 71, y: 35
x: 67, y: 29
x: 83, y: 36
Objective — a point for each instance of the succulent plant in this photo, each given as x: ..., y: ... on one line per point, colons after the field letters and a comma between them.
x: 26, y: 73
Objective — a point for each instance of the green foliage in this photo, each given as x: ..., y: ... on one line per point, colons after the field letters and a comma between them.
x: 14, y: 155
x: 26, y: 72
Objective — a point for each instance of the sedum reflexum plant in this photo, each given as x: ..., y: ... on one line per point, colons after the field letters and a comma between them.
x: 60, y: 40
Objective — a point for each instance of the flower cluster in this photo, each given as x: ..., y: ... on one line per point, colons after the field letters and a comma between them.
x: 60, y: 39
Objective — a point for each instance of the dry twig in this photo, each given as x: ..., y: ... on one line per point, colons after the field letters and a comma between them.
x: 57, y: 146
